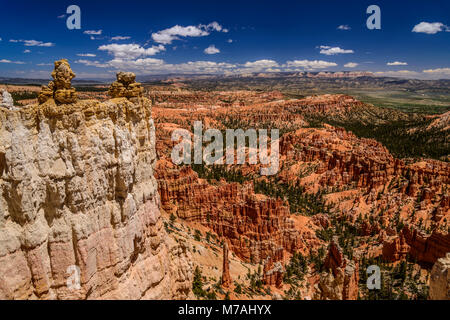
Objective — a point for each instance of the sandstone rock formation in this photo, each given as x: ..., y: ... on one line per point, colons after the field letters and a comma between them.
x: 6, y: 100
x: 125, y: 86
x: 226, y: 279
x: 440, y: 279
x: 255, y: 226
x: 273, y: 270
x: 342, y: 282
x: 60, y: 89
x: 79, y: 202
x: 393, y: 207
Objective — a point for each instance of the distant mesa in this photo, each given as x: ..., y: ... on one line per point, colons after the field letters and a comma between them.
x: 60, y: 89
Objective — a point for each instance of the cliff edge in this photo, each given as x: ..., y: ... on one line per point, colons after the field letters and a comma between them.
x: 79, y: 206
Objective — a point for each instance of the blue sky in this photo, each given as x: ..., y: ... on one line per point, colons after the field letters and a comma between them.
x: 225, y: 37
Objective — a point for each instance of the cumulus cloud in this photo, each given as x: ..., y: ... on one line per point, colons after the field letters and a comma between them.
x: 93, y: 32
x: 397, y: 63
x: 343, y: 27
x: 329, y: 51
x: 351, y: 65
x: 443, y: 71
x: 214, y: 26
x: 310, y: 64
x: 155, y: 66
x: 130, y: 51
x: 116, y: 38
x: 26, y: 51
x: 166, y: 36
x: 400, y: 73
x: 261, y: 64
x: 211, y: 50
x: 9, y: 61
x: 90, y: 63
x: 86, y: 55
x: 33, y: 43
x: 229, y: 40
x: 430, y: 27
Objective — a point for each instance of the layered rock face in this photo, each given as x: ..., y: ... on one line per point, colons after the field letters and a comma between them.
x: 273, y: 269
x: 359, y: 181
x: 79, y: 205
x: 440, y: 279
x: 6, y: 100
x: 226, y: 278
x: 342, y: 282
x: 255, y: 226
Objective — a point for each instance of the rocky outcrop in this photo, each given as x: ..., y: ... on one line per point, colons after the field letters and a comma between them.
x: 125, y: 86
x: 255, y: 226
x: 6, y: 100
x: 341, y: 282
x: 343, y: 159
x: 226, y: 278
x: 427, y: 248
x: 60, y: 89
x: 440, y: 279
x: 79, y: 204
x: 273, y: 270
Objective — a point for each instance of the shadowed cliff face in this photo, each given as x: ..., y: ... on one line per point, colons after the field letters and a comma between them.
x: 77, y: 191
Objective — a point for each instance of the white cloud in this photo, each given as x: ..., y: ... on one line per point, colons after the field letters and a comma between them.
x: 310, y: 64
x: 400, y: 73
x: 351, y: 65
x: 33, y: 43
x: 120, y: 38
x: 430, y: 28
x: 93, y: 32
x: 230, y: 40
x: 44, y: 64
x: 443, y: 71
x: 0, y: 39
x: 62, y: 16
x: 130, y: 51
x: 26, y: 51
x: 261, y: 64
x: 211, y: 50
x: 343, y: 27
x: 158, y: 66
x: 166, y: 36
x: 397, y: 63
x: 9, y: 61
x: 90, y: 63
x: 214, y: 26
x: 141, y: 63
x: 86, y: 55
x: 329, y: 51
